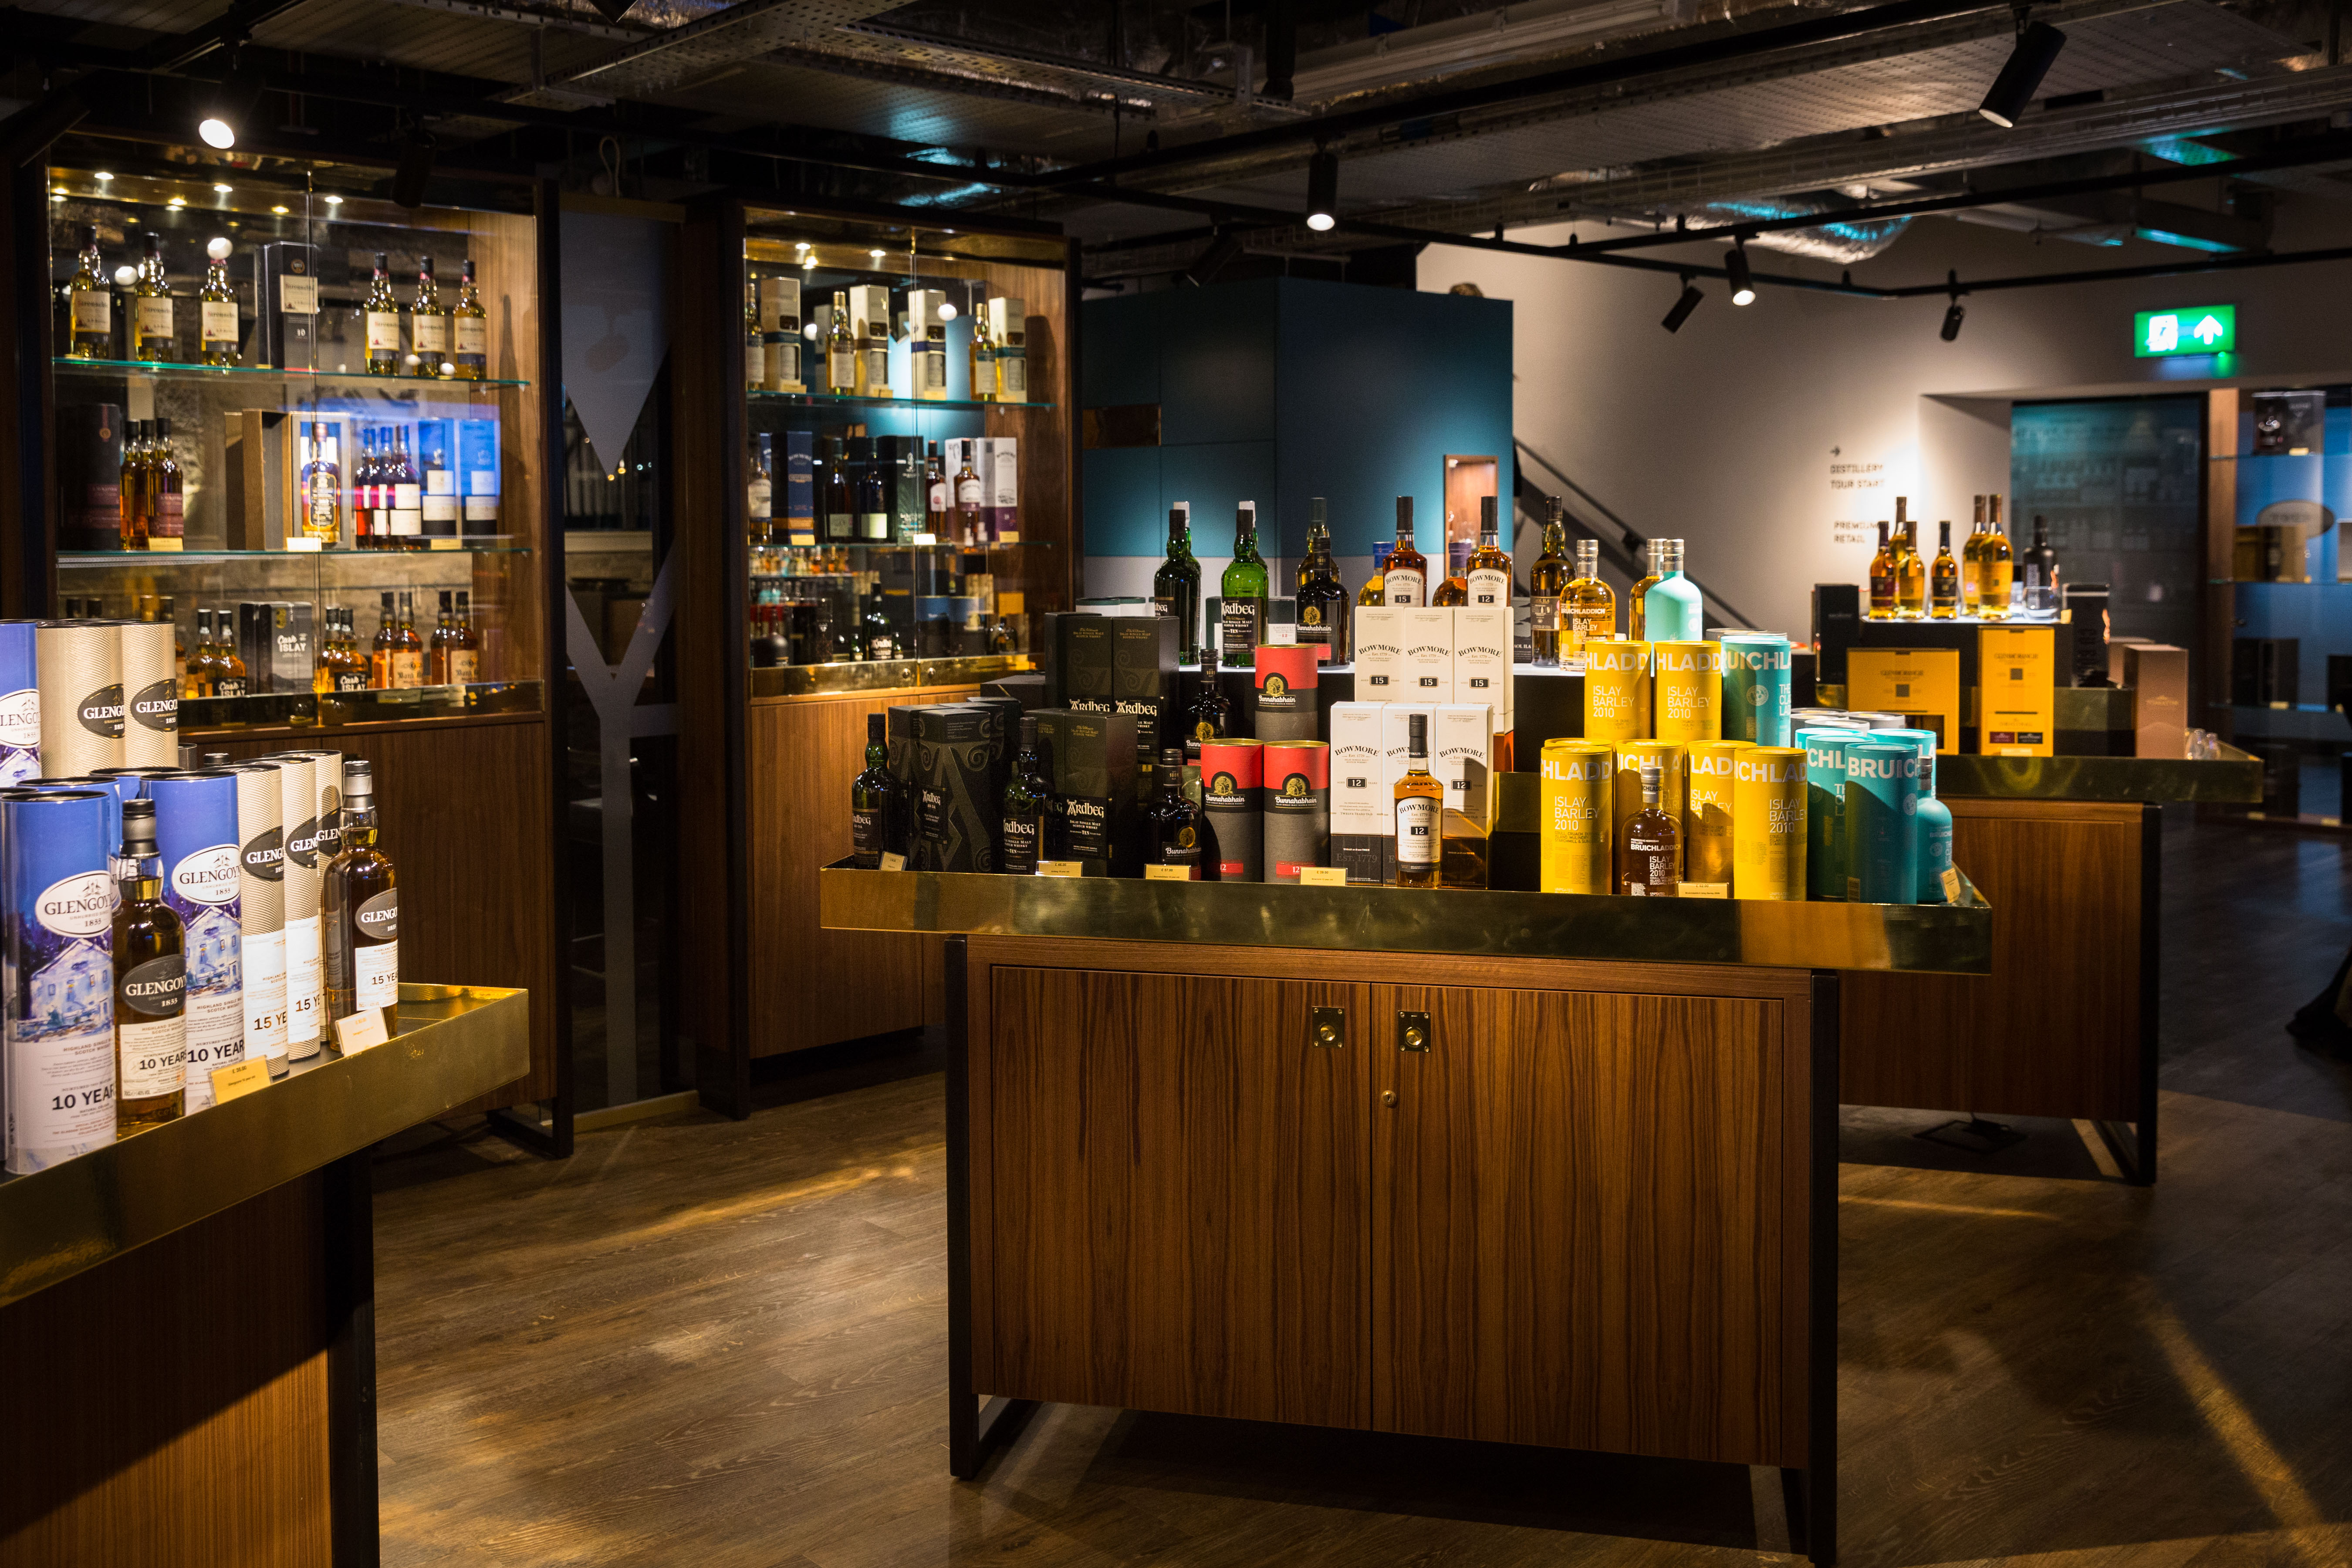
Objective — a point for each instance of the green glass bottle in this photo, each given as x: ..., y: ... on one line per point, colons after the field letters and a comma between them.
x: 872, y: 798
x: 1243, y: 587
x: 1176, y: 586
x: 1027, y: 833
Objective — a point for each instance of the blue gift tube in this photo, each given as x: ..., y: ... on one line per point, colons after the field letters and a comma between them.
x: 1935, y: 819
x: 1826, y: 871
x: 1756, y: 694
x: 59, y: 1033
x: 1881, y: 809
x: 20, y: 705
x: 196, y: 838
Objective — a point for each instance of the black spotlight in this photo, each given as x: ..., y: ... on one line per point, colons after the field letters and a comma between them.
x: 415, y: 168
x: 1743, y: 283
x: 1954, y: 314
x: 227, y: 111
x: 1215, y: 259
x: 2021, y: 78
x: 1323, y: 190
x: 1682, y: 306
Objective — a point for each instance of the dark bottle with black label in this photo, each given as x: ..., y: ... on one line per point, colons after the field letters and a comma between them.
x: 359, y: 910
x: 1028, y: 814
x: 1171, y: 819
x: 1323, y: 599
x: 1211, y: 717
x: 870, y: 797
x: 151, y: 985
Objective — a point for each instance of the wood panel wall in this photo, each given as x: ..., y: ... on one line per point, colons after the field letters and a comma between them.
x: 2056, y: 1028
x: 1582, y: 1218
x: 464, y: 807
x: 170, y: 1407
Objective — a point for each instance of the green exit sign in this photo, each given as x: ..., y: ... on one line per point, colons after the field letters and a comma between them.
x: 2198, y: 330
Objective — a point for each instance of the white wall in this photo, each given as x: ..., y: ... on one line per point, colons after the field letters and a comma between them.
x: 1727, y: 433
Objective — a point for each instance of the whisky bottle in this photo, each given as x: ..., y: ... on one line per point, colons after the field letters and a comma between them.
x: 1419, y: 800
x: 166, y: 610
x: 875, y: 636
x: 90, y: 306
x: 1547, y: 582
x: 1637, y: 603
x: 150, y: 325
x: 1671, y: 610
x: 1490, y: 564
x: 1321, y: 596
x: 1649, y: 843
x: 131, y: 486
x: 197, y: 681
x: 938, y: 500
x: 1404, y: 581
x: 1944, y: 577
x: 166, y: 515
x: 1008, y: 318
x: 1176, y: 586
x: 1591, y: 614
x: 984, y: 358
x: 365, y: 534
x: 874, y: 355
x: 322, y: 485
x: 408, y: 654
x: 755, y: 341
x: 760, y: 521
x: 1374, y: 592
x: 407, y: 500
x: 436, y: 647
x: 840, y: 349
x: 872, y: 794
x: 469, y: 330
x: 218, y: 341
x: 1171, y: 819
x: 1211, y: 716
x: 465, y: 643
x: 873, y: 506
x: 1996, y: 566
x: 322, y: 668
x: 386, y: 643
x: 228, y: 669
x: 1910, y: 567
x: 351, y: 672
x: 1029, y: 808
x: 971, y: 500
x: 381, y: 312
x: 1243, y: 594
x: 1971, y: 564
x: 359, y: 924
x: 836, y: 501
x: 1883, y: 585
x: 150, y: 983
x: 428, y: 325
x: 2039, y: 566
x: 1454, y: 588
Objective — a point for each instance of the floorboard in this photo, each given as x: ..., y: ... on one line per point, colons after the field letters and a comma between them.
x: 722, y: 1344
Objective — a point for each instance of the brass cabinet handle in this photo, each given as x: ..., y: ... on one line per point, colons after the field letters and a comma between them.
x: 1413, y: 1033
x: 1327, y: 1029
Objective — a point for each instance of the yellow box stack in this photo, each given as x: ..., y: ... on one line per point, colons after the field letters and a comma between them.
x: 1708, y: 814
x: 1768, y: 823
x: 1578, y: 824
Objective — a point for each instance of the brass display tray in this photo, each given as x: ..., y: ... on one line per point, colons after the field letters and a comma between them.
x: 456, y: 1043
x: 272, y: 710
x: 1954, y: 938
x: 852, y: 676
x: 2233, y: 778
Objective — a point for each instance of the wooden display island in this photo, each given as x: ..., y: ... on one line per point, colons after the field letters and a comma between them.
x: 1516, y: 1167
x: 187, y: 1319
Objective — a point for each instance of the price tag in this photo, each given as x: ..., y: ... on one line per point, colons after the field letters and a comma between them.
x: 893, y: 862
x: 1061, y: 869
x: 1703, y: 891
x: 1168, y: 873
x: 1322, y: 876
x: 360, y: 1030
x: 299, y: 545
x: 1950, y: 877
x: 239, y: 1077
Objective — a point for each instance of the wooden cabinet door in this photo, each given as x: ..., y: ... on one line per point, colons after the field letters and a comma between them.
x: 1588, y: 1221
x: 1169, y: 1194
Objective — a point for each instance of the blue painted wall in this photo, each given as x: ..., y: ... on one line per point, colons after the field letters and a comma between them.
x: 1278, y: 390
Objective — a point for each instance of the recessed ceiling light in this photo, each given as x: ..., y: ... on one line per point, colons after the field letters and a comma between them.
x: 334, y: 201
x: 104, y: 175
x: 177, y: 202
x: 222, y: 190
x: 56, y: 195
x: 875, y: 254
x: 279, y: 211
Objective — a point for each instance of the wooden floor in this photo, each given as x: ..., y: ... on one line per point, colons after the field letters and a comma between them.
x: 722, y: 1346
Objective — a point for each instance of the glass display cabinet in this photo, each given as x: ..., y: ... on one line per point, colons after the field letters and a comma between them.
x: 299, y: 422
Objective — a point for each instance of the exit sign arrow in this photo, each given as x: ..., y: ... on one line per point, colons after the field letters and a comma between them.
x: 2208, y: 331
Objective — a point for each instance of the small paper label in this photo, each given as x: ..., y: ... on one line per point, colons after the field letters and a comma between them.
x: 473, y: 335
x: 1703, y: 891
x: 241, y: 1077
x: 1322, y: 876
x: 383, y: 330
x: 1950, y: 877
x: 891, y: 862
x: 358, y: 1032
x: 1169, y: 873
x: 1061, y: 869
x: 297, y: 295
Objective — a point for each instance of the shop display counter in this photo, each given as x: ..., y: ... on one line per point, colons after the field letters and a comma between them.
x: 187, y: 1362
x: 1517, y: 1167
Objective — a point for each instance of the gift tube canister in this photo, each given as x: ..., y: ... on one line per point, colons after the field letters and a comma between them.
x: 1768, y: 823
x: 20, y: 704
x: 197, y: 838
x: 1626, y: 795
x: 326, y: 784
x: 1579, y: 822
x: 261, y: 891
x: 151, y: 695
x: 105, y: 783
x: 1825, y: 864
x: 306, y: 999
x: 1935, y: 819
x: 1233, y: 774
x: 1882, y: 805
x: 1297, y: 795
x: 1686, y: 691
x: 60, y: 1031
x: 1616, y: 690
x: 1757, y: 668
x: 1710, y: 813
x: 79, y: 678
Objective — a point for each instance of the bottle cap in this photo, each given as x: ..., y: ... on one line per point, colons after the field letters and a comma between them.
x: 217, y: 247
x: 359, y: 782
x: 1417, y: 734
x: 1170, y: 757
x: 878, y: 728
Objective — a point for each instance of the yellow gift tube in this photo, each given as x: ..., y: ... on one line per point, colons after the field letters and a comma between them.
x: 1616, y: 690
x: 1687, y: 687
x: 1579, y: 824
x: 1768, y: 823
x: 1709, y: 811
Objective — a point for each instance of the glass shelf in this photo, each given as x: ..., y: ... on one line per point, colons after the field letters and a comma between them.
x: 844, y: 400
x: 2273, y: 583
x: 170, y: 557
x: 892, y: 547
x: 2276, y: 707
x: 153, y: 369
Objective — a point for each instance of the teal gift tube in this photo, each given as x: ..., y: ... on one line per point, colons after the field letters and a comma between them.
x: 1935, y: 819
x: 1882, y: 810
x: 1825, y: 869
x: 1756, y: 705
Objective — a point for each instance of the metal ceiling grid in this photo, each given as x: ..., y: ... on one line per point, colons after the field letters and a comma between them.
x: 1025, y: 67
x: 743, y: 31
x: 423, y: 39
x: 155, y: 16
x: 763, y: 91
